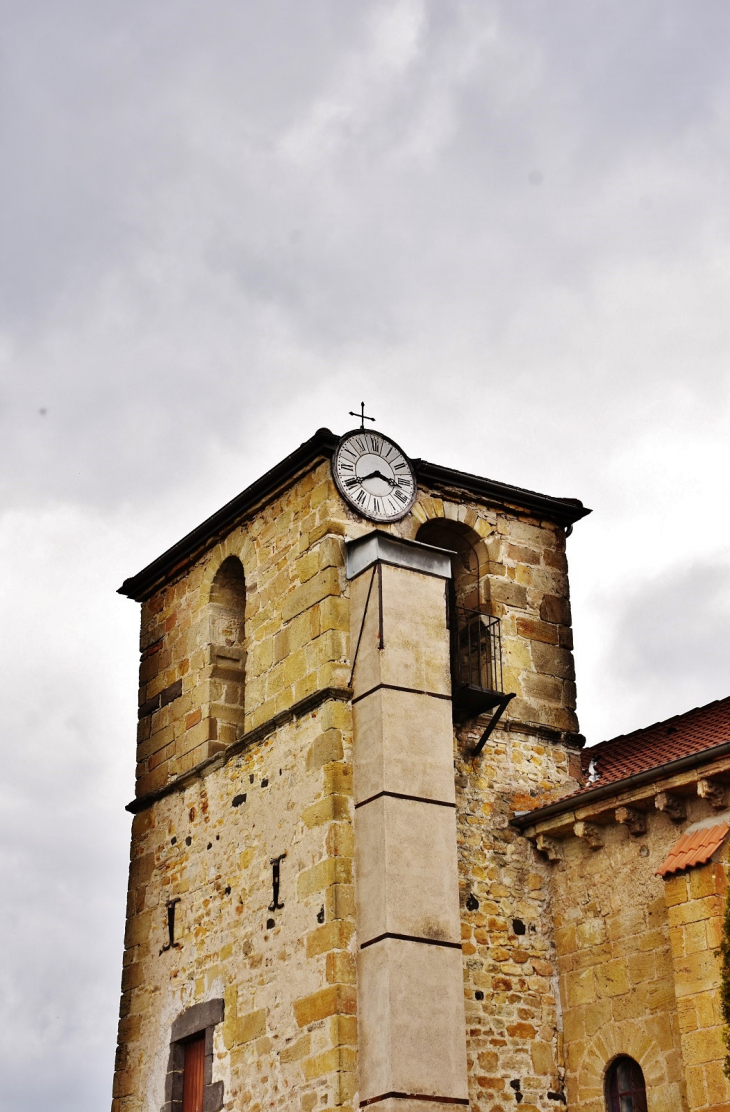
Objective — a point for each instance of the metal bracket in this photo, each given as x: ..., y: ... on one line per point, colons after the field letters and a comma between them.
x: 362, y: 624
x: 171, y: 944
x: 275, y: 881
x: 500, y: 708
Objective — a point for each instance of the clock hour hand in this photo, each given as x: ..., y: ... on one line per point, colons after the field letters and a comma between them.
x: 377, y: 475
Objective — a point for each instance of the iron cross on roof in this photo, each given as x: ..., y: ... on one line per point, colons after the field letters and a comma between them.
x: 362, y: 415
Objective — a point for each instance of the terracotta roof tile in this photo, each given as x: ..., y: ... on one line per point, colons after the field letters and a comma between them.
x: 656, y: 745
x: 694, y: 848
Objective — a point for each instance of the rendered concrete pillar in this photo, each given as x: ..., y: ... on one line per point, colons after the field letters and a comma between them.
x: 411, y: 1023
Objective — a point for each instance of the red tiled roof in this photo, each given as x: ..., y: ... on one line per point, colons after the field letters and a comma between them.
x: 654, y: 746
x: 694, y: 848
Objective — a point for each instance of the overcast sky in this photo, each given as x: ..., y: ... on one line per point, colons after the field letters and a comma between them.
x: 505, y: 226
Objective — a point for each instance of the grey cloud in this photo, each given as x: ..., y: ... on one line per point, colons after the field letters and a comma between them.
x: 503, y: 225
x: 207, y: 203
x: 669, y: 648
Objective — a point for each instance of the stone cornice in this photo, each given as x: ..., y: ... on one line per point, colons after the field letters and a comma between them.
x: 218, y: 760
x: 676, y: 776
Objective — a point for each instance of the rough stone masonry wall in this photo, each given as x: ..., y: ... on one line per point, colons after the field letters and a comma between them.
x: 513, y: 1012
x: 296, y: 634
x: 525, y: 566
x: 695, y: 905
x: 288, y: 1038
x: 512, y: 1007
x: 289, y: 992
x: 296, y: 643
x: 615, y: 960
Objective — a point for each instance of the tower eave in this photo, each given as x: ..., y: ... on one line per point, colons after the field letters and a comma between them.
x: 182, y: 555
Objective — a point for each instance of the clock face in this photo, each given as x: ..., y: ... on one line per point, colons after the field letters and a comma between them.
x: 373, y: 475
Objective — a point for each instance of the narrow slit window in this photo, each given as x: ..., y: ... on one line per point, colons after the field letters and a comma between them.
x: 194, y: 1075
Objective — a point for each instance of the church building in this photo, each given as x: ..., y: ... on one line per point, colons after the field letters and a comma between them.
x: 372, y: 863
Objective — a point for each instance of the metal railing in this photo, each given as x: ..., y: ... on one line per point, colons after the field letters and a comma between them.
x: 476, y: 651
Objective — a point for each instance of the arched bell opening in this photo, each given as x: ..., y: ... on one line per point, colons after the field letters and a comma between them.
x: 470, y: 588
x: 476, y: 645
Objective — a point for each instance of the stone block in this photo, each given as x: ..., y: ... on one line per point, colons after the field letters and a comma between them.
x: 696, y: 1091
x: 340, y: 840
x: 675, y: 890
x: 343, y: 1030
x: 407, y: 870
x: 333, y: 1000
x: 553, y: 661
x: 535, y: 630
x: 581, y: 987
x: 340, y: 901
x: 325, y: 749
x: 595, y: 1016
x: 415, y: 652
x: 251, y: 1026
x: 326, y: 582
x: 701, y: 882
x: 333, y: 808
x: 331, y: 870
x: 407, y: 1044
x: 138, y: 929
x: 641, y: 967
x: 612, y: 979
x: 703, y: 1046
x: 591, y: 932
x: 141, y: 869
x: 717, y: 1086
x: 538, y: 686
x: 707, y: 1008
x: 695, y: 937
x: 696, y: 973
x: 508, y: 593
x: 333, y: 1060
x: 340, y: 968
x: 404, y: 744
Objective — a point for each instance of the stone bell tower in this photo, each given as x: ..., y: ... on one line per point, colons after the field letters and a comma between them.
x: 349, y: 676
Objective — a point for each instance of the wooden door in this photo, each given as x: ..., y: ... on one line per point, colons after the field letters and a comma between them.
x: 194, y: 1075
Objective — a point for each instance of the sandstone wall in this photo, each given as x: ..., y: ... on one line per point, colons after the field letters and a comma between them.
x: 695, y: 907
x: 639, y: 966
x: 510, y: 972
x: 288, y: 1039
x: 524, y: 562
x: 192, y: 702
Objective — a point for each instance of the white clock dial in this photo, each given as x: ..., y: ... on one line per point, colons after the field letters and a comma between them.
x: 374, y: 475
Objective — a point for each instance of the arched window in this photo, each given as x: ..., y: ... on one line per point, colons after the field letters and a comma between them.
x: 625, y: 1088
x: 227, y: 652
x: 228, y: 603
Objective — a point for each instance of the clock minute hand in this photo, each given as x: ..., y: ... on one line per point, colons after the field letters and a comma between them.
x: 377, y: 475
